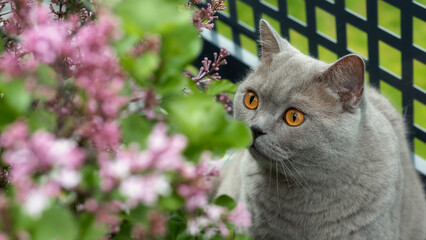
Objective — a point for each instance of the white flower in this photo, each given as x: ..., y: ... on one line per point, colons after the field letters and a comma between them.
x: 67, y: 178
x: 119, y: 168
x: 36, y: 203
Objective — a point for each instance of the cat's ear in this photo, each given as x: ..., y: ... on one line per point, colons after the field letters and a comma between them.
x: 270, y: 41
x: 345, y: 78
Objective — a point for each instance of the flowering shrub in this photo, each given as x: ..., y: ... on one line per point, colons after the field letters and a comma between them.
x: 102, y: 134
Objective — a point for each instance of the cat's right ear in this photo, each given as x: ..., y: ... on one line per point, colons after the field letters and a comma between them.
x: 270, y: 41
x: 345, y: 78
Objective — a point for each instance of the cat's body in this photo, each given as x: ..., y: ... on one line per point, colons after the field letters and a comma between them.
x: 343, y: 173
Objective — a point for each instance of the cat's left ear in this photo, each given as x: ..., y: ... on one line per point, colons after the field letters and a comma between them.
x: 345, y: 78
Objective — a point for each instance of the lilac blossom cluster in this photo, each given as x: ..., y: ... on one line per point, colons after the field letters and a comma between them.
x: 208, y: 72
x: 204, y: 17
x: 46, y: 167
x: 226, y: 100
x: 41, y: 153
x: 209, y: 69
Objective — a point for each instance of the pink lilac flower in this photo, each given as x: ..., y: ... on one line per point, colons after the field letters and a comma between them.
x: 3, y: 236
x: 226, y: 100
x: 195, y: 191
x: 203, y: 18
x: 104, y: 135
x: 46, y: 40
x: 195, y: 196
x: 166, y: 151
x: 106, y: 212
x: 9, y: 64
x: 209, y: 69
x: 40, y: 153
x: 144, y: 189
x: 14, y: 133
x: 214, y: 212
x: 240, y: 216
x: 157, y: 224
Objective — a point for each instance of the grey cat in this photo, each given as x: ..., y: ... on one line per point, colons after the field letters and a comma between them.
x: 329, y: 158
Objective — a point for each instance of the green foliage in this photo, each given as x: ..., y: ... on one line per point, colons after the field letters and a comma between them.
x: 171, y: 203
x: 1, y: 45
x: 150, y: 63
x: 177, y: 227
x: 203, y: 121
x: 56, y: 223
x: 90, y: 229
x: 46, y: 75
x: 197, y: 116
x: 41, y: 119
x: 180, y: 46
x: 136, y: 129
x: 242, y: 237
x: 225, y: 201
x: 205, y: 124
x: 124, y: 233
x: 146, y: 16
x: 180, y: 43
x: 14, y: 101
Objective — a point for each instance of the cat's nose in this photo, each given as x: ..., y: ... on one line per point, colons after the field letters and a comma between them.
x: 256, y: 131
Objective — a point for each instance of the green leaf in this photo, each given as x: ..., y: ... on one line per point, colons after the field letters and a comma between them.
x: 205, y: 124
x: 124, y: 45
x: 242, y: 237
x: 135, y: 128
x: 139, y: 215
x: 56, y: 223
x: 171, y: 82
x: 1, y: 45
x: 159, y: 16
x: 8, y: 115
x: 193, y: 87
x: 90, y: 229
x: 171, y: 203
x: 90, y: 177
x: 176, y: 227
x: 221, y: 86
x: 225, y: 201
x: 141, y: 67
x: 42, y: 119
x: 46, y: 76
x: 15, y: 96
x: 179, y: 48
x: 125, y: 232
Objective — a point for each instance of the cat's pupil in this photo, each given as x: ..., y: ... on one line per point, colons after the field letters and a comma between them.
x: 251, y: 99
x: 294, y: 116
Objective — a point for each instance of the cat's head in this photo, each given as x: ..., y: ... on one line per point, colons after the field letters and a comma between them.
x: 302, y: 111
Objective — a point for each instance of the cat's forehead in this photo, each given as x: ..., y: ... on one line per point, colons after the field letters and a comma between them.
x: 286, y: 72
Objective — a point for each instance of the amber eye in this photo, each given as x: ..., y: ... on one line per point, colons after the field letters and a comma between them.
x: 251, y: 100
x: 294, y: 117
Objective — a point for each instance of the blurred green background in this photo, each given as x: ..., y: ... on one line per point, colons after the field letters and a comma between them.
x: 389, y: 57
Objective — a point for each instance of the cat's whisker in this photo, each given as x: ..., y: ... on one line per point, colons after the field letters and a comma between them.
x: 301, y: 176
x: 285, y: 175
x: 306, y: 164
x: 270, y: 176
x: 278, y: 193
x: 295, y: 177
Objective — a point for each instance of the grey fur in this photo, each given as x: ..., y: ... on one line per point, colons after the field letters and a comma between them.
x: 344, y: 173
